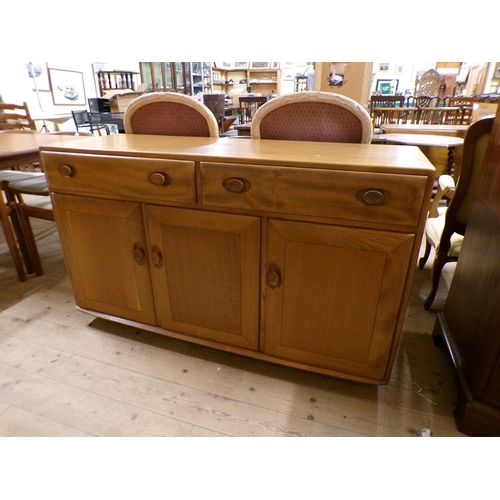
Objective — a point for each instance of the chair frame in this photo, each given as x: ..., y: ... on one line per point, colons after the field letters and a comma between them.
x: 315, y: 97
x: 16, y: 117
x: 88, y: 125
x: 154, y: 97
x: 457, y: 194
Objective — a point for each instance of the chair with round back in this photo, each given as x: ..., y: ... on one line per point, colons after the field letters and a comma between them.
x: 313, y: 116
x: 168, y: 113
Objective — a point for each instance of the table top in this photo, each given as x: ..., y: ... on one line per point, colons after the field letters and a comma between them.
x: 416, y: 128
x: 52, y: 118
x: 444, y: 141
x: 16, y: 146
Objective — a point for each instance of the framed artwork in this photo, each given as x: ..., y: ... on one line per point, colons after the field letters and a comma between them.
x: 37, y: 71
x: 241, y: 65
x: 67, y: 87
x: 275, y: 65
x: 387, y: 87
x: 288, y: 74
x: 223, y: 65
x: 383, y: 67
x: 400, y: 69
x: 259, y: 65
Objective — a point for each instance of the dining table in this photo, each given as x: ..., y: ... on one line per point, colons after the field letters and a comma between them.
x: 20, y: 148
x: 429, y: 141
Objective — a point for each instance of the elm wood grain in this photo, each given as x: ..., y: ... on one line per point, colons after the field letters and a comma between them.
x: 190, y: 390
x: 470, y: 323
x: 225, y: 279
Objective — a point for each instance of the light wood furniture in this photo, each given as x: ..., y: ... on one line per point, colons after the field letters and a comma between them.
x: 470, y: 323
x: 116, y: 80
x: 15, y: 117
x: 418, y: 128
x: 297, y: 253
x: 430, y: 141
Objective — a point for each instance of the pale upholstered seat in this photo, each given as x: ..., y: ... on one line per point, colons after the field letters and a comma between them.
x: 168, y: 113
x: 445, y: 227
x: 312, y: 116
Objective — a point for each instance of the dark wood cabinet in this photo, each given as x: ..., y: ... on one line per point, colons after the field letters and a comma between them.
x: 470, y: 321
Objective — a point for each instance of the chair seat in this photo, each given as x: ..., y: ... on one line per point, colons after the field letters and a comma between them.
x: 433, y: 231
x: 37, y: 184
x: 12, y: 176
x: 41, y: 202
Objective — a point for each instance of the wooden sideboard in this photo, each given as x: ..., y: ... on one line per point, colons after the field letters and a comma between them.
x: 296, y: 253
x: 470, y: 321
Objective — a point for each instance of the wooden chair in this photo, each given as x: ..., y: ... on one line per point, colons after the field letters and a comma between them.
x: 388, y: 109
x: 445, y: 227
x: 168, y: 113
x: 313, y: 116
x: 27, y: 196
x: 249, y: 105
x: 15, y: 117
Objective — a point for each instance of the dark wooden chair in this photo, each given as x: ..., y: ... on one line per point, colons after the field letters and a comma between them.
x: 445, y: 227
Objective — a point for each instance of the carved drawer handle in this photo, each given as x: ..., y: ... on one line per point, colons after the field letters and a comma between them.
x: 66, y: 171
x: 159, y: 179
x: 274, y: 277
x: 373, y: 197
x: 236, y: 185
x: 139, y: 253
x: 157, y: 256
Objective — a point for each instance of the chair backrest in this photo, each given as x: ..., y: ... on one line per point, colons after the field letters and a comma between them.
x: 15, y: 117
x: 313, y: 116
x: 386, y: 101
x: 473, y: 156
x: 81, y: 117
x: 168, y: 113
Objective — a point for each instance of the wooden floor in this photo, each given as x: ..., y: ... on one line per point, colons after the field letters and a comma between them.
x: 65, y: 373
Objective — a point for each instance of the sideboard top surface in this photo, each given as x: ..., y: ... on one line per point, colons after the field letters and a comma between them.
x: 366, y: 157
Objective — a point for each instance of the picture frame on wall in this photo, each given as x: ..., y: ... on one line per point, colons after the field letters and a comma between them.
x: 241, y: 65
x: 400, y: 69
x: 383, y: 67
x: 67, y: 87
x: 387, y: 87
x: 259, y: 65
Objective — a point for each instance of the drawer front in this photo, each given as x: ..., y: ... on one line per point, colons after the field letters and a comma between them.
x: 149, y: 178
x: 356, y: 196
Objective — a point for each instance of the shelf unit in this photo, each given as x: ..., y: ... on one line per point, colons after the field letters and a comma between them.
x: 262, y: 81
x: 116, y: 80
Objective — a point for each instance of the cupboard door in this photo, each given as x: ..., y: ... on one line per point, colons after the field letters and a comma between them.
x: 333, y: 295
x: 206, y: 269
x: 105, y: 249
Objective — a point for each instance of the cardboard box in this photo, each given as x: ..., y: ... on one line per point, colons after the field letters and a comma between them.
x: 118, y: 102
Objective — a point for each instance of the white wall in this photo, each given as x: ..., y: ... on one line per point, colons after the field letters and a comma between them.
x: 16, y: 86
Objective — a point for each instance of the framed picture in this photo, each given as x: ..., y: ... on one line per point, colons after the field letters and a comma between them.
x: 383, y: 67
x: 274, y: 65
x: 223, y: 65
x: 259, y: 65
x: 241, y: 65
x: 37, y: 71
x: 288, y: 74
x: 387, y: 87
x: 67, y: 87
x: 400, y: 69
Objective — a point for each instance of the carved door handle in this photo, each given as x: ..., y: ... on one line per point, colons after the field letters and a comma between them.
x: 139, y: 253
x: 66, y: 171
x: 159, y: 179
x: 157, y: 256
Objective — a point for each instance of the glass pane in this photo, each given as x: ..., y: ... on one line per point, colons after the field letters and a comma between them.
x: 146, y: 75
x: 168, y: 84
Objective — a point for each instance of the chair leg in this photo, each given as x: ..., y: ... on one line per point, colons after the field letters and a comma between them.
x: 29, y: 238
x: 427, y: 251
x: 11, y: 241
x: 437, y: 266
